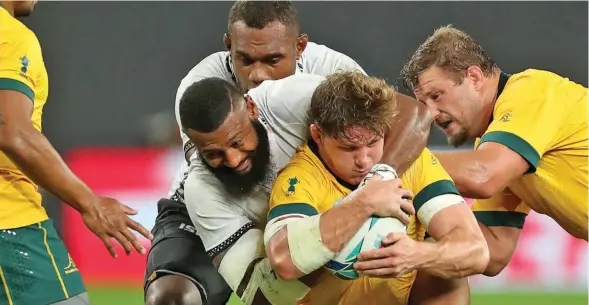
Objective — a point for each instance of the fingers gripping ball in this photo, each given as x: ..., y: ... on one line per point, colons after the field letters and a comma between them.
x: 369, y: 236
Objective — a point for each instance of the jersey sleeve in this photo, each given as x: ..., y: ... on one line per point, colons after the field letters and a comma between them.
x: 504, y: 209
x: 524, y: 119
x: 285, y: 103
x: 295, y: 192
x: 345, y: 63
x: 216, y: 215
x: 20, y: 62
x: 432, y: 187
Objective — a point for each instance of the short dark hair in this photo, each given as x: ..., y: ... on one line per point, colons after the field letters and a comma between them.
x: 258, y: 14
x: 205, y: 104
x: 351, y: 99
x: 450, y: 49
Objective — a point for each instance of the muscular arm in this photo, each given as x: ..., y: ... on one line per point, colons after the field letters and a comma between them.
x: 485, y: 171
x: 502, y: 242
x: 460, y: 249
x: 409, y: 134
x: 337, y: 226
x: 34, y: 155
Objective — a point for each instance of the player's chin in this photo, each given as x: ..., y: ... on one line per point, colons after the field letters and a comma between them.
x: 355, y: 179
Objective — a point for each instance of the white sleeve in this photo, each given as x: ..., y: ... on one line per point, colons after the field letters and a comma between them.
x: 285, y: 104
x: 322, y: 60
x: 217, y: 218
x: 344, y: 63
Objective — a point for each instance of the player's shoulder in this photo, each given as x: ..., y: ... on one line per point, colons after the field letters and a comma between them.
x: 323, y: 60
x: 416, y: 168
x: 15, y: 35
x: 214, y: 65
x: 298, y: 87
x: 302, y: 164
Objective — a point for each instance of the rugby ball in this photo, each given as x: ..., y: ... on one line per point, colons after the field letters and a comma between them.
x: 369, y: 236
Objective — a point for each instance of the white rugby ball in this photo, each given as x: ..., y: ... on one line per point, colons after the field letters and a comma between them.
x: 369, y: 236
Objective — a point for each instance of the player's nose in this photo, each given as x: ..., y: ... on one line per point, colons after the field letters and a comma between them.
x: 232, y: 158
x: 362, y: 159
x: 258, y: 75
x: 433, y: 108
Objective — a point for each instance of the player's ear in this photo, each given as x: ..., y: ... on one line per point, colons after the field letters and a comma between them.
x: 251, y: 107
x: 315, y: 133
x: 301, y: 44
x: 475, y: 74
x: 227, y: 41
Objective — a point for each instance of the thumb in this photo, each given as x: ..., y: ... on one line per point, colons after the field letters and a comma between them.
x: 392, y: 238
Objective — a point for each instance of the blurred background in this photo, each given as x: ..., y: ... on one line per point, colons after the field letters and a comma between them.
x: 114, y: 68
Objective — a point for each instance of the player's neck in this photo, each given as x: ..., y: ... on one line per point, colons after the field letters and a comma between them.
x: 490, y: 96
x: 8, y: 6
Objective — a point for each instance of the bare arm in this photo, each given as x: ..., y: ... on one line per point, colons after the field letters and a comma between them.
x: 460, y: 249
x: 337, y: 226
x: 502, y: 242
x: 485, y: 171
x: 34, y: 155
x: 408, y: 136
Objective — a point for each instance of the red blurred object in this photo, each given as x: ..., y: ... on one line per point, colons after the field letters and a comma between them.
x: 131, y: 171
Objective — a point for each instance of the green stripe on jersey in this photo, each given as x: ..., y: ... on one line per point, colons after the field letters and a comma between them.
x: 501, y: 218
x: 292, y: 208
x: 433, y: 190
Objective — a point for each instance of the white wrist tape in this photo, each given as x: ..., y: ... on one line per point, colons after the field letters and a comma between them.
x: 246, y: 249
x: 274, y: 225
x: 429, y: 209
x: 307, y: 251
x: 276, y: 290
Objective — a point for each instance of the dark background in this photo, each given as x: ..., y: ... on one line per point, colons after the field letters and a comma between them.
x: 112, y: 64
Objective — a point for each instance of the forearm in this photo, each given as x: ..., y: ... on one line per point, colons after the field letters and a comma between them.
x: 458, y: 254
x: 470, y: 175
x: 34, y: 155
x: 289, y: 248
x: 405, y: 141
x: 339, y: 224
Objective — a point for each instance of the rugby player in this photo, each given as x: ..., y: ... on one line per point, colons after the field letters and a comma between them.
x: 35, y: 267
x: 531, y: 139
x: 264, y: 42
x: 313, y: 212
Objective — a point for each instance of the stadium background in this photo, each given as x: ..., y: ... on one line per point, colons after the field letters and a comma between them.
x: 114, y: 68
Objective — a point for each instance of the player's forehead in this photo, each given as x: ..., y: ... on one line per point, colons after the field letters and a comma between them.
x: 432, y: 79
x: 235, y: 126
x: 273, y: 38
x: 357, y: 136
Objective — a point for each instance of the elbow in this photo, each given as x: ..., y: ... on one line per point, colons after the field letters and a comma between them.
x: 484, y: 187
x: 280, y: 260
x: 496, y: 265
x: 9, y: 138
x: 482, y: 258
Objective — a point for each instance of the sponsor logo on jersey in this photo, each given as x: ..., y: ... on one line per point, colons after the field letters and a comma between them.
x: 71, y: 267
x: 505, y: 118
x: 188, y: 228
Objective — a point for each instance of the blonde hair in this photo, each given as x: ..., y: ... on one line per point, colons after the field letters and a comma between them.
x: 352, y: 99
x: 450, y: 49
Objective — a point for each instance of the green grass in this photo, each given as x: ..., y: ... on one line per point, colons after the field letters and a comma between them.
x: 134, y: 296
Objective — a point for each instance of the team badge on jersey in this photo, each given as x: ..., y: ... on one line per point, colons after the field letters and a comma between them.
x: 24, y: 64
x: 291, y: 186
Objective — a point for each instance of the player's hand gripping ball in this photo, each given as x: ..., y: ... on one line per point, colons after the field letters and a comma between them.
x: 370, y: 235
